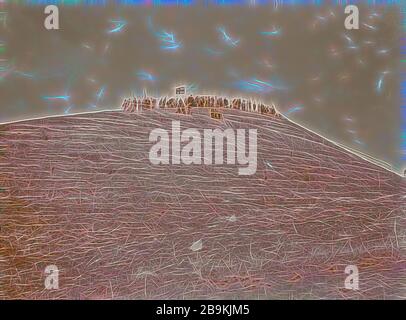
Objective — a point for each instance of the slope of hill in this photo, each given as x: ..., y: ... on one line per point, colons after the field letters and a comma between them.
x: 79, y: 192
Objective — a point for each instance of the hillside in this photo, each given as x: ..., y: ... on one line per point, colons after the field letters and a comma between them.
x: 79, y: 192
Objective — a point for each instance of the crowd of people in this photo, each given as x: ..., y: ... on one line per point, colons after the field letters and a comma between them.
x: 184, y: 105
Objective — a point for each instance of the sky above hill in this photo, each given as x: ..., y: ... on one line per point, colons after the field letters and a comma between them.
x: 343, y: 84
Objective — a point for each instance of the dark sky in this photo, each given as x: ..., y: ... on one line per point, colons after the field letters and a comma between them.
x: 343, y: 84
